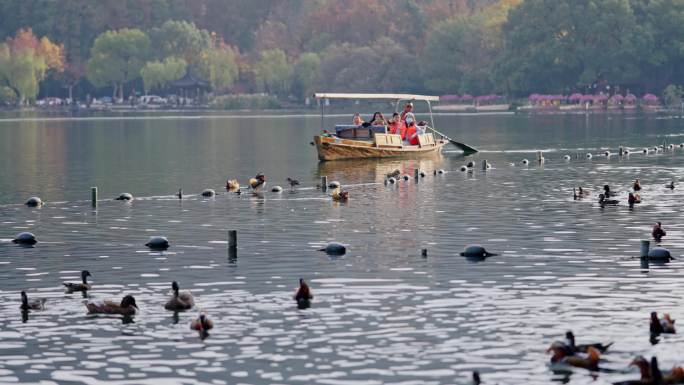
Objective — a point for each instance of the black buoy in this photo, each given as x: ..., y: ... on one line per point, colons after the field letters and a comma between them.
x: 476, y: 251
x: 34, y: 202
x: 124, y: 197
x: 25, y: 238
x: 158, y: 243
x: 334, y: 248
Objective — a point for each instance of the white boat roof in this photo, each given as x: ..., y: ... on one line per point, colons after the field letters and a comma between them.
x: 331, y: 95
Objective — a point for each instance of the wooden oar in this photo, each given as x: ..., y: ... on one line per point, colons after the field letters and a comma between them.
x: 467, y: 150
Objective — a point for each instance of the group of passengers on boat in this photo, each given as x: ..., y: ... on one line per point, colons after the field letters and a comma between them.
x: 403, y: 124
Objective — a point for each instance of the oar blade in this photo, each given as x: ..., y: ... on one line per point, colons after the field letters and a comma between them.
x: 467, y: 150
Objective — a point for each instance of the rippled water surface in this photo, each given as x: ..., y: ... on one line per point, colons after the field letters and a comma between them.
x: 382, y: 313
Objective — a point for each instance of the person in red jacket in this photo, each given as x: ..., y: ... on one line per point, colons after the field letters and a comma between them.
x: 394, y: 123
x: 412, y: 134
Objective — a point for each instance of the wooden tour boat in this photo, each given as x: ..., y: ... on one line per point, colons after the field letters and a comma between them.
x: 359, y: 142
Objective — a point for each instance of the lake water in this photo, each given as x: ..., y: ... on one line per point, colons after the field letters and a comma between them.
x: 382, y: 314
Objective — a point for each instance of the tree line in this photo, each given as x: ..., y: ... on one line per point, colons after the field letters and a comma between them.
x: 289, y: 49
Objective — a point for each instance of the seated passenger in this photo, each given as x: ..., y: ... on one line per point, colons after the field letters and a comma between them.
x: 378, y: 120
x: 407, y: 114
x: 394, y: 124
x: 412, y: 134
x: 357, y: 119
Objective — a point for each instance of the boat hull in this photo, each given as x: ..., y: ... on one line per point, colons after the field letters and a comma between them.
x: 339, y: 149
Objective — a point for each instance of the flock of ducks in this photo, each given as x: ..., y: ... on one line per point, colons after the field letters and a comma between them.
x: 606, y: 198
x: 179, y: 301
x: 588, y: 356
x: 568, y: 353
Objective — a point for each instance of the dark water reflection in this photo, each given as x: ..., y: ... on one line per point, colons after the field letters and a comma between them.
x: 382, y: 313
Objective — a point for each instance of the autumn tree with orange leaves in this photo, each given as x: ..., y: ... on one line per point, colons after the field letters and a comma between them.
x: 25, y: 61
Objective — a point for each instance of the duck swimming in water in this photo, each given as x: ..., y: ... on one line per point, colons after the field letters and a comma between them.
x: 257, y: 182
x: 71, y: 287
x: 127, y: 306
x: 664, y: 326
x: 232, y: 185
x: 179, y: 301
x: 202, y: 323
x: 303, y: 295
x: 671, y: 186
x: 36, y: 304
x: 292, y: 182
x: 583, y: 348
x: 633, y: 198
x: 579, y: 193
x: 340, y: 196
x: 561, y: 355
x: 658, y: 233
x: 603, y: 201
x: 636, y: 186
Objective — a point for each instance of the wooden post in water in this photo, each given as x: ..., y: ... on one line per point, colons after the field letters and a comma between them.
x: 622, y: 151
x: 540, y: 157
x: 484, y: 165
x: 232, y: 245
x: 324, y: 183
x: 93, y: 196
x: 416, y: 173
x: 645, y: 245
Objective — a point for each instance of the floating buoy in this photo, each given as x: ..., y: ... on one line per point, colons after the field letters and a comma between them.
x: 525, y: 162
x: 277, y: 189
x: 645, y: 150
x: 589, y: 156
x: 406, y: 177
x: 124, y: 197
x: 671, y: 147
x: 607, y: 153
x: 476, y: 251
x: 463, y: 168
x: 334, y: 248
x: 566, y: 157
x: 334, y: 184
x: 25, y: 238
x: 656, y: 149
x: 470, y: 164
x: 441, y: 172
x: 659, y: 254
x: 34, y: 202
x: 625, y: 152
x: 422, y: 174
x: 391, y: 181
x: 681, y: 145
x: 158, y: 243
x: 208, y: 193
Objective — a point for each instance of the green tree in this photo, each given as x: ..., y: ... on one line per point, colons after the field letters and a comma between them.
x: 551, y: 45
x: 305, y: 75
x: 180, y: 39
x: 462, y: 59
x: 219, y: 65
x: 157, y: 74
x: 25, y: 61
x: 273, y: 72
x: 117, y: 58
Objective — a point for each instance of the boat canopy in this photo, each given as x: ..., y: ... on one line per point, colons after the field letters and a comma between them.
x: 331, y: 95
